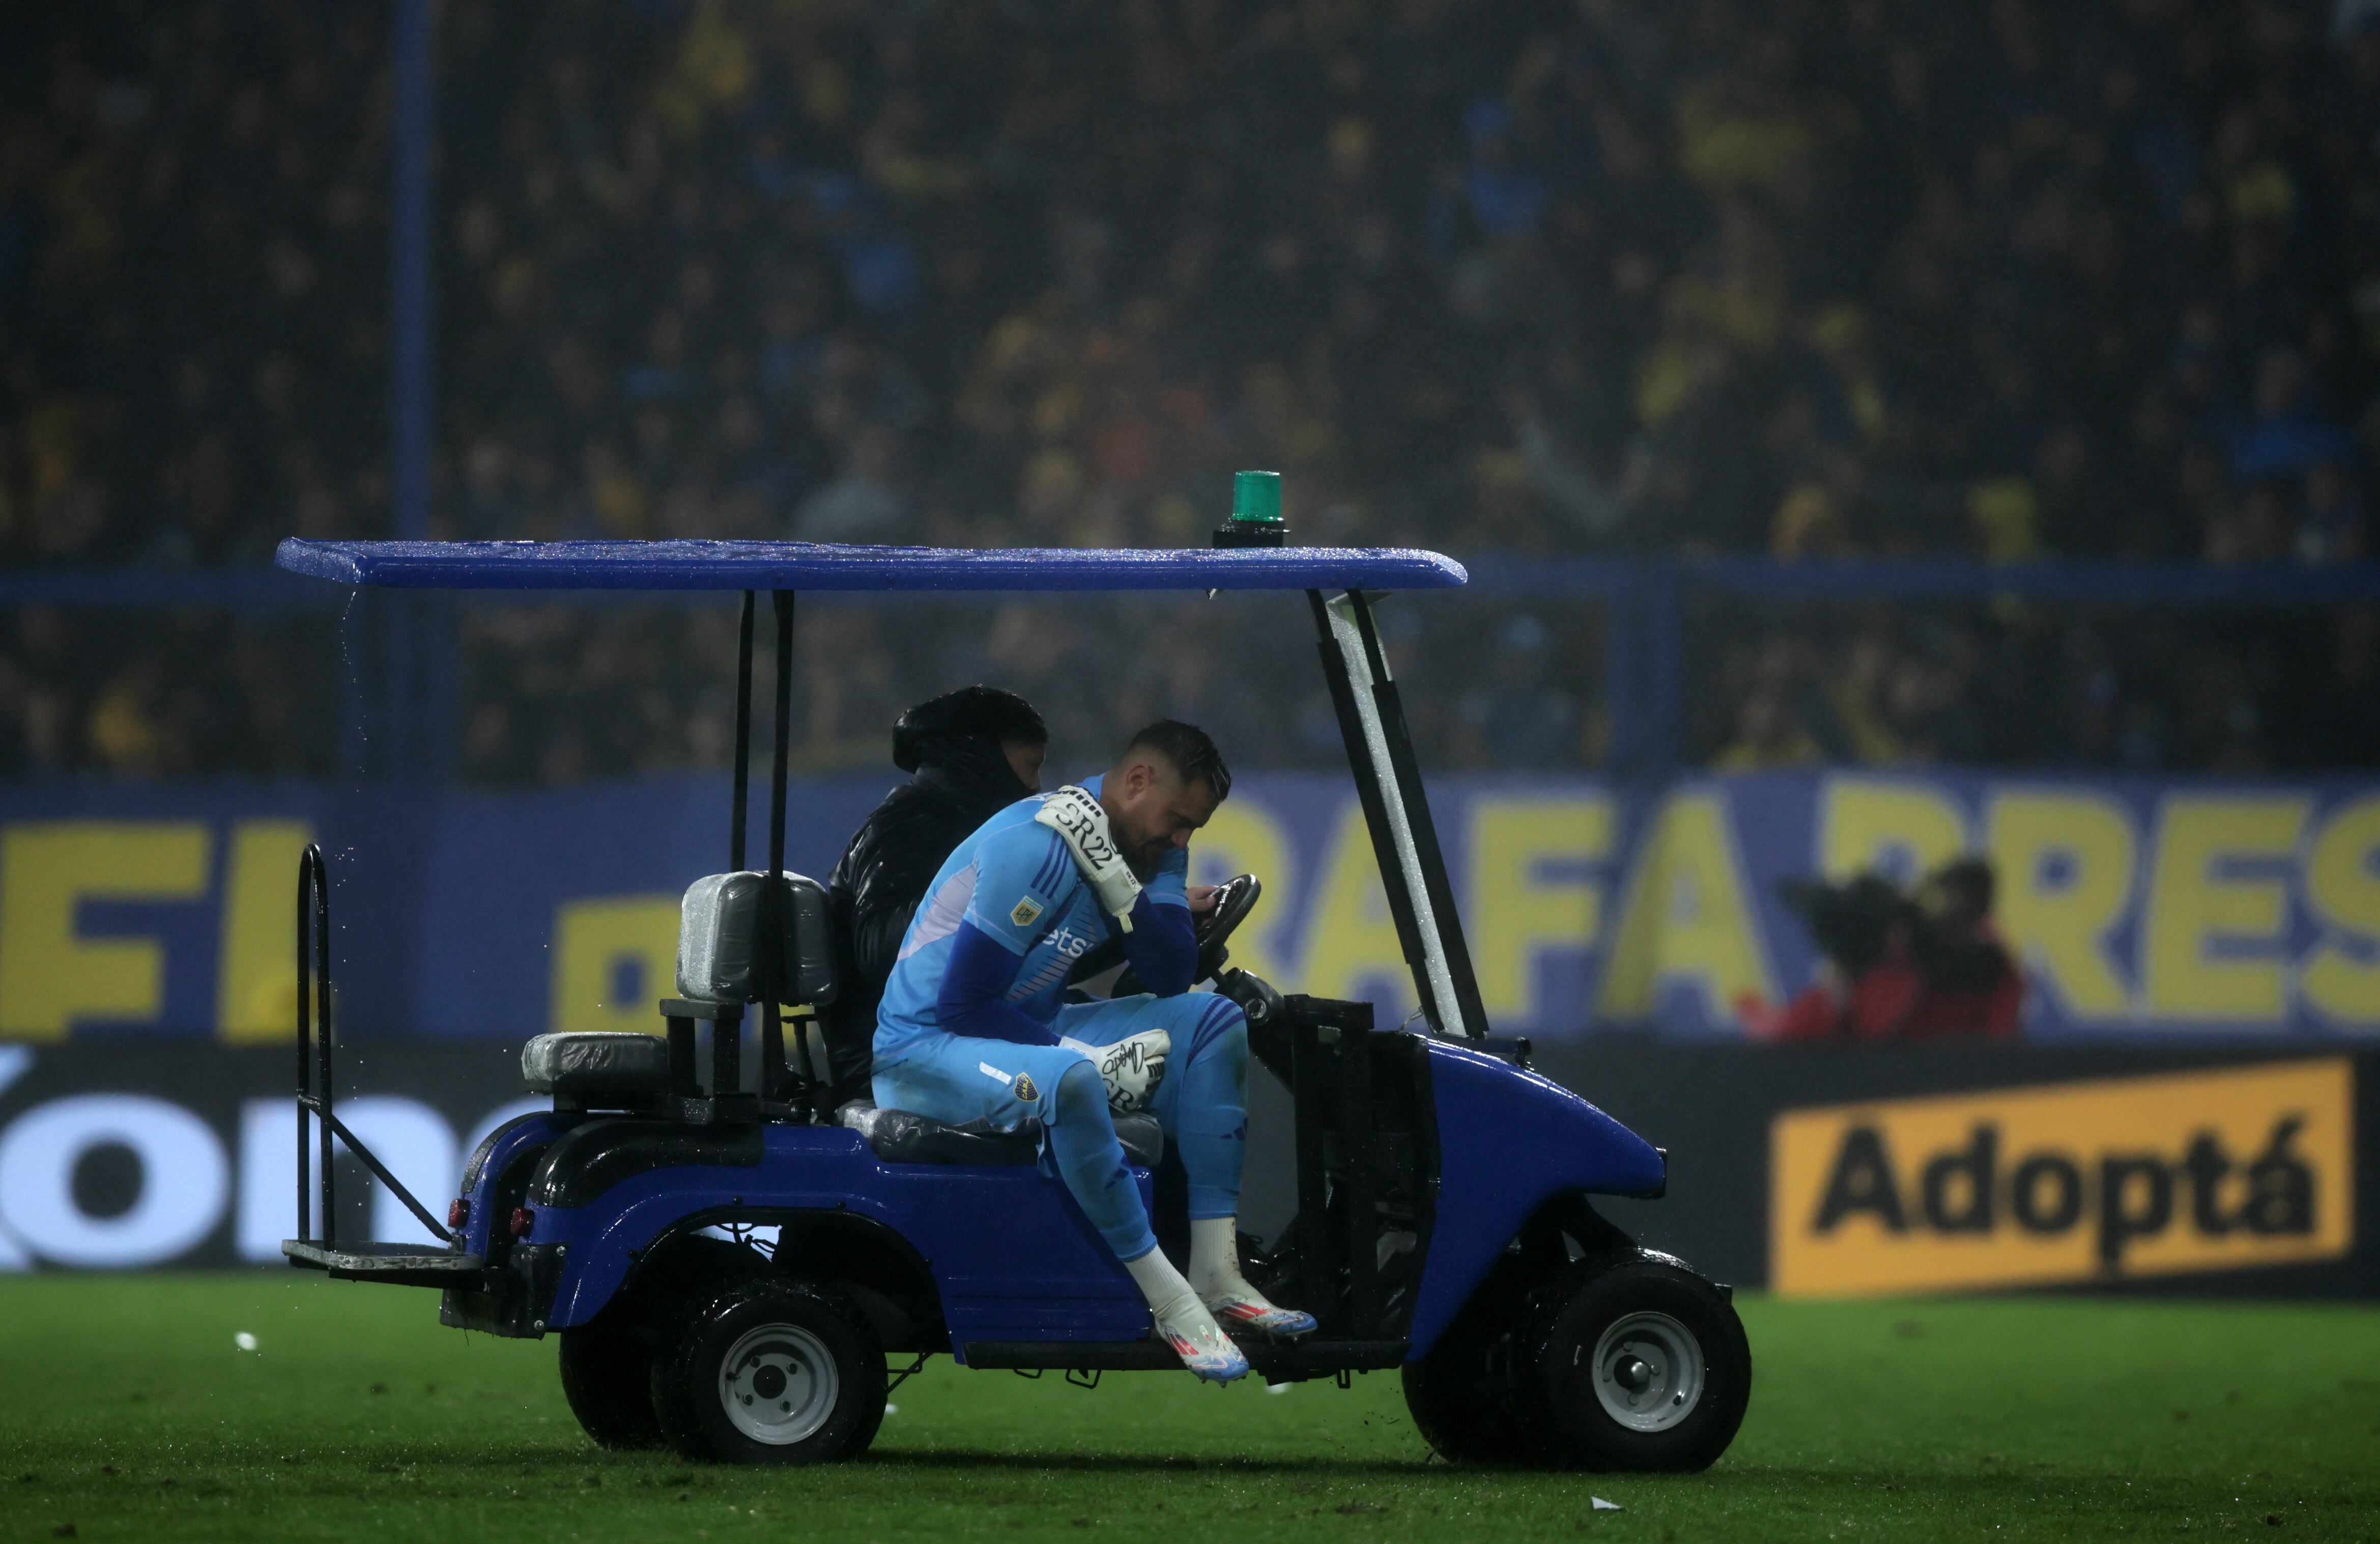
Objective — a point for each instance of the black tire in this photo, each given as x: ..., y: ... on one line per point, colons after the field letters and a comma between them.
x: 1465, y: 1395
x: 1634, y: 1363
x: 803, y: 1341
x: 607, y: 1376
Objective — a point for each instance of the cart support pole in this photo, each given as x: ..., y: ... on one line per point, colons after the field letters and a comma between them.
x: 773, y: 1024
x: 321, y: 913
x: 1360, y: 764
x: 1413, y: 870
x: 307, y: 862
x: 743, y: 736
x: 1420, y: 824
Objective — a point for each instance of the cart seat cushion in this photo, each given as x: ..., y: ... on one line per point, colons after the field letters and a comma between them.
x: 597, y: 1067
x: 721, y: 953
x: 905, y: 1136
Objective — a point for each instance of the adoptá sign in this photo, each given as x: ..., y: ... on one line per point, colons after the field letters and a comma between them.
x: 2098, y: 1180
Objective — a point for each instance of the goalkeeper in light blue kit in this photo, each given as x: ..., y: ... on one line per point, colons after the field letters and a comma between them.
x: 975, y: 1025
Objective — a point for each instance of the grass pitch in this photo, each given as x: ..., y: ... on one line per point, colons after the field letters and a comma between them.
x: 128, y: 1411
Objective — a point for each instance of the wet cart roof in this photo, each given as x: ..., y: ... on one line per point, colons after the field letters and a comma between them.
x: 818, y: 567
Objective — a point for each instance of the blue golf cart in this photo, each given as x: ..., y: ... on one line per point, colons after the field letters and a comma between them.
x: 741, y: 1273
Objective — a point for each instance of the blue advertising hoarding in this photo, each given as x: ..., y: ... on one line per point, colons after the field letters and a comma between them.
x: 2139, y: 906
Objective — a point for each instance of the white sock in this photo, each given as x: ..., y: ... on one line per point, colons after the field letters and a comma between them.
x: 1183, y: 1321
x: 1215, y: 1258
x: 1160, y: 1282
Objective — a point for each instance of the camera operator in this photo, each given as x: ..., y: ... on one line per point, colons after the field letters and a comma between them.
x: 1901, y: 968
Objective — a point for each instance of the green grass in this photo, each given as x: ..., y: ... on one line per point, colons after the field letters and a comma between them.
x: 127, y: 1411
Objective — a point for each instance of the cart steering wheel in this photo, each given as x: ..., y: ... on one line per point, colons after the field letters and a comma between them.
x: 1235, y: 898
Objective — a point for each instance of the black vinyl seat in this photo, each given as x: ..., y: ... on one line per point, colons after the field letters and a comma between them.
x: 905, y: 1136
x: 608, y: 1069
x: 626, y: 1071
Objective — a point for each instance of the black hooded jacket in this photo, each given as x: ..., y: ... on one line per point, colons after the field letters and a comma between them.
x: 961, y: 778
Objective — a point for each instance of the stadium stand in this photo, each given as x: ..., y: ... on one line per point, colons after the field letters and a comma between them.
x: 2002, y: 282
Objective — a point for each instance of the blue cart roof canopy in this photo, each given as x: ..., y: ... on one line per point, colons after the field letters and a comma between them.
x: 818, y: 567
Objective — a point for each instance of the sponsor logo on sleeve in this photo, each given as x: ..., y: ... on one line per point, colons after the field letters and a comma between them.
x: 2100, y: 1181
x: 1025, y: 912
x: 991, y: 1071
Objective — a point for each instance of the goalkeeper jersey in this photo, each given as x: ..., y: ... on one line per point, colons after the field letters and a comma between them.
x: 1015, y: 881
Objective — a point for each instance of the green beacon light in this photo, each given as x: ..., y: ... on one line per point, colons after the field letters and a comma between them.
x: 1256, y: 513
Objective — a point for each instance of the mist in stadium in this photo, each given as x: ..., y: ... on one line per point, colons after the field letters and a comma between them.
x: 1190, y: 769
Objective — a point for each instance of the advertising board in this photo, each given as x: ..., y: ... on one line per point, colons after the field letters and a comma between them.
x: 1788, y: 1167
x: 2106, y: 1179
x: 148, y: 1153
x: 2138, y: 906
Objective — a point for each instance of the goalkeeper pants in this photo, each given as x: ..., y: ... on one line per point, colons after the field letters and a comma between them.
x: 1201, y: 1101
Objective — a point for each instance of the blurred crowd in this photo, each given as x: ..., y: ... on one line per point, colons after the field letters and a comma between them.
x: 2128, y: 688
x: 2003, y: 279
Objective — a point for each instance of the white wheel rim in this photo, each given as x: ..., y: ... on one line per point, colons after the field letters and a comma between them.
x: 778, y: 1384
x: 1649, y: 1371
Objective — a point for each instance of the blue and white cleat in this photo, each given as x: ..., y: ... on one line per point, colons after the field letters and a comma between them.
x: 1186, y: 1326
x: 1247, y: 1309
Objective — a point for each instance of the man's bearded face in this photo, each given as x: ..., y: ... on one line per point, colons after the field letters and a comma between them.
x: 1153, y: 812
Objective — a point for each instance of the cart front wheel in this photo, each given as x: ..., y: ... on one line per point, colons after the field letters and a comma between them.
x: 1464, y: 1394
x: 1637, y: 1365
x: 773, y: 1372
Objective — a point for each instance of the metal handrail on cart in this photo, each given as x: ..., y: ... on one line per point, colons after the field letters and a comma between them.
x: 317, y: 1095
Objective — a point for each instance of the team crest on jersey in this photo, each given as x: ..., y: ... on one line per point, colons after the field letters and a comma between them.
x: 1024, y: 911
x: 1026, y: 1093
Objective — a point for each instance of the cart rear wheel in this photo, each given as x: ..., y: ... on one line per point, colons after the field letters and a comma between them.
x: 773, y: 1372
x: 1637, y: 1364
x: 607, y: 1376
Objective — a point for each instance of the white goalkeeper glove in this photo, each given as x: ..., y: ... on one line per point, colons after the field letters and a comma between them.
x: 1073, y: 812
x: 1131, y: 1068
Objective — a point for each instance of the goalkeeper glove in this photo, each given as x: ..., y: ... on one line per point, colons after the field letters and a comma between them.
x: 1131, y: 1068
x: 1075, y: 815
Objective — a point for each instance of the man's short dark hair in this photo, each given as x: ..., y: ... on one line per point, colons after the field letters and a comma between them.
x: 1190, y: 752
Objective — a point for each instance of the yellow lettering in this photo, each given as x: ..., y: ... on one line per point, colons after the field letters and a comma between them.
x: 2345, y: 894
x: 1864, y: 818
x: 1352, y: 940
x: 2191, y: 905
x: 1686, y: 916
x: 50, y: 976
x: 1516, y: 909
x: 2065, y: 865
x: 1244, y: 838
x: 256, y: 975
x: 612, y: 960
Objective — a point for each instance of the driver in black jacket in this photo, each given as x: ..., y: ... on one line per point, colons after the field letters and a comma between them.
x: 972, y: 753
